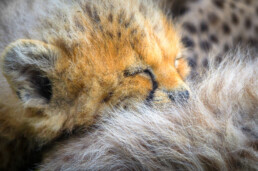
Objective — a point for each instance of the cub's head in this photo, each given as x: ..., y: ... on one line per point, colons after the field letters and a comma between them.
x: 83, y: 78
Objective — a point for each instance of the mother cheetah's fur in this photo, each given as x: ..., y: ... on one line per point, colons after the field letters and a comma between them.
x: 210, y: 28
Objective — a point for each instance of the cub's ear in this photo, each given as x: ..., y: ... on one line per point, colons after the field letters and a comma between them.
x: 26, y: 65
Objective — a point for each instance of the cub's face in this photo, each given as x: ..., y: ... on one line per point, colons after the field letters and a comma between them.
x: 83, y: 79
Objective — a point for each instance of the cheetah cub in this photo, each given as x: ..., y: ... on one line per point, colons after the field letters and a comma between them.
x: 64, y: 62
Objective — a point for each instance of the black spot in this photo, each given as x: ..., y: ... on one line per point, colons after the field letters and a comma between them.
x: 192, y: 62
x: 226, y: 47
x: 248, y: 2
x: 200, y: 11
x: 88, y: 10
x: 232, y: 5
x: 189, y: 27
x: 234, y: 19
x: 128, y: 22
x: 205, y: 63
x: 219, y: 3
x: 218, y: 59
x: 183, y: 11
x: 188, y: 42
x: 119, y: 34
x: 183, y: 95
x: 121, y: 17
x: 108, y: 97
x: 256, y: 10
x: 214, y: 38
x: 132, y: 45
x: 205, y: 46
x: 110, y: 35
x: 179, y: 96
x: 134, y: 31
x: 241, y: 10
x: 204, y: 26
x: 93, y: 15
x: 96, y: 16
x: 110, y: 18
x: 226, y: 28
x: 213, y: 18
x: 18, y: 94
x: 248, y: 23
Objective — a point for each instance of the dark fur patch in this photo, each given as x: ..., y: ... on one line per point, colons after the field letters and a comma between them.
x: 121, y: 17
x: 213, y: 18
x: 119, y: 34
x: 188, y: 42
x: 127, y: 24
x: 204, y: 27
x: 110, y: 18
x: 192, y: 62
x: 96, y: 15
x: 214, y: 38
x: 226, y: 28
x: 248, y: 2
x: 134, y: 31
x: 234, y: 19
x: 130, y: 21
x: 92, y: 13
x: 248, y: 23
x: 79, y: 25
x: 108, y: 97
x: 110, y: 35
x: 205, y: 63
x: 190, y: 27
x: 205, y: 46
x: 226, y: 47
x: 218, y: 59
x: 232, y: 5
x: 219, y: 3
x: 178, y: 96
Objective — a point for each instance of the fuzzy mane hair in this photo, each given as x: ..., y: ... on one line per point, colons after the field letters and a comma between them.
x: 216, y: 130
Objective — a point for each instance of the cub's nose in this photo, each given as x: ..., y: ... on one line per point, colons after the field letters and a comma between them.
x: 179, y: 96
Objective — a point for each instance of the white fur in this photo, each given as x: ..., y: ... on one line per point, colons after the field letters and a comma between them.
x: 216, y: 130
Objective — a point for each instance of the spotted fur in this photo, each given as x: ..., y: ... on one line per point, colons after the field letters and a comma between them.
x: 210, y: 28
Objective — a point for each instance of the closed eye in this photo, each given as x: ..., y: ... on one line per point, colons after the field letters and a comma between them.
x: 133, y: 72
x: 144, y: 72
